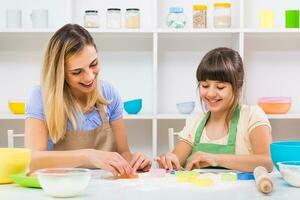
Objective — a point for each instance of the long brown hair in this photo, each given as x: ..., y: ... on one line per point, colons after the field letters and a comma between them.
x: 225, y: 65
x: 59, y: 103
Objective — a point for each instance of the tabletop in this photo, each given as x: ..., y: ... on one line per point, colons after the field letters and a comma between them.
x: 149, y: 188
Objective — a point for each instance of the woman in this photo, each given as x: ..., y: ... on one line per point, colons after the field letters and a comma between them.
x: 72, y: 120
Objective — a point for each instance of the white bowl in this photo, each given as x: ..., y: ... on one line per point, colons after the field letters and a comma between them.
x: 64, y: 182
x: 186, y: 107
x: 290, y: 171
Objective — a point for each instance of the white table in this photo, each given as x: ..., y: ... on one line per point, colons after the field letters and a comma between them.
x: 161, y: 188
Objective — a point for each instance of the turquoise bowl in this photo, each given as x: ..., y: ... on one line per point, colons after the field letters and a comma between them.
x: 133, y: 106
x: 285, y: 151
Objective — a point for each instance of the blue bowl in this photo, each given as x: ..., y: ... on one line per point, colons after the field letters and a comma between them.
x: 133, y: 106
x: 285, y: 151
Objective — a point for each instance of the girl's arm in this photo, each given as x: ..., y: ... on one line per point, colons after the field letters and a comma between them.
x: 260, y: 138
x: 176, y: 158
x: 182, y: 151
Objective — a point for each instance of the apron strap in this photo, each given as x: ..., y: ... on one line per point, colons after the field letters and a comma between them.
x: 102, y: 114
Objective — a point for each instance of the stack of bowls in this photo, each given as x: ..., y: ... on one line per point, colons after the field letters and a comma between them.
x: 275, y: 105
x: 13, y: 161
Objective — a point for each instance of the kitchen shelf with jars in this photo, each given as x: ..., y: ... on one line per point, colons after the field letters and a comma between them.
x: 160, y: 43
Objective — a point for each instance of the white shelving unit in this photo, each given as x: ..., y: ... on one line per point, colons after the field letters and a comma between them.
x: 158, y: 64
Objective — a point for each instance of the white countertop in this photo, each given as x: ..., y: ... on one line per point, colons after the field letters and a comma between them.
x: 161, y: 188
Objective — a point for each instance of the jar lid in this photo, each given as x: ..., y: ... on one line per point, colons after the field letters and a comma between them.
x: 91, y: 11
x: 113, y: 9
x: 226, y: 5
x: 176, y: 10
x: 199, y: 7
x: 132, y: 9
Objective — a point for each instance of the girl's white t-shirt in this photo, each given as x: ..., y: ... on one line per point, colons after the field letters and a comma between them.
x: 250, y: 118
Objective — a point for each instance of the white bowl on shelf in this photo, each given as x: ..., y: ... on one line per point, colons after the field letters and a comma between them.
x: 186, y: 107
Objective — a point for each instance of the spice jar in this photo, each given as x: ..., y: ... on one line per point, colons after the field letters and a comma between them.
x: 132, y: 18
x: 113, y: 18
x: 91, y: 19
x: 176, y: 18
x: 199, y: 16
x: 222, y: 15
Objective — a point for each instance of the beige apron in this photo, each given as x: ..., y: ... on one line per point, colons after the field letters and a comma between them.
x: 101, y: 138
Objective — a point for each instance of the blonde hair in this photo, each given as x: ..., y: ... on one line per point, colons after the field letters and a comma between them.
x: 225, y: 65
x: 59, y: 103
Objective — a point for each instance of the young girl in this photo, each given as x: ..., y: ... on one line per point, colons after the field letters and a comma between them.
x: 73, y: 120
x: 229, y: 135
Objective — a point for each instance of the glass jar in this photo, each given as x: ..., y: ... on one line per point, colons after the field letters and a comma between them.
x: 176, y: 18
x: 199, y: 16
x: 222, y: 15
x: 91, y: 19
x: 113, y: 18
x: 132, y: 18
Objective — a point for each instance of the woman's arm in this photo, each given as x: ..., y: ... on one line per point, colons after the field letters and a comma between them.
x: 118, y: 128
x: 138, y: 161
x: 260, y: 138
x: 36, y: 139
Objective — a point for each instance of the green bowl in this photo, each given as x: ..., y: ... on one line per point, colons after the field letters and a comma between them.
x: 26, y: 181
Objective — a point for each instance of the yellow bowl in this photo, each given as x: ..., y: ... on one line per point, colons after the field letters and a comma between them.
x: 13, y: 161
x: 17, y: 107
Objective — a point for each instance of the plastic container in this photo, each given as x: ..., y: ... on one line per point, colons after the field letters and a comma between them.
x: 113, y: 18
x: 285, y: 151
x: 199, y: 16
x: 186, y: 107
x: 91, y: 19
x: 292, y: 18
x: 266, y: 19
x: 176, y: 18
x: 133, y: 106
x: 222, y: 15
x: 275, y: 105
x: 13, y: 161
x: 132, y: 18
x: 64, y: 182
x: 290, y: 171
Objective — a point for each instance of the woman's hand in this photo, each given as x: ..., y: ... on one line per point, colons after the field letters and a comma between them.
x: 201, y: 160
x: 168, y: 161
x: 140, y: 162
x: 111, y: 161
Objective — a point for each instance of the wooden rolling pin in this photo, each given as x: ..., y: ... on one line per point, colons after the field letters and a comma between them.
x: 263, y: 180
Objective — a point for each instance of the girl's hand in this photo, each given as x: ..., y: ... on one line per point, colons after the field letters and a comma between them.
x: 111, y: 161
x: 140, y: 162
x: 168, y: 161
x: 201, y: 160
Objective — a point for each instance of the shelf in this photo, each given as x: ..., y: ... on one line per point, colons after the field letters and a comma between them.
x: 161, y: 116
x: 173, y: 116
x: 284, y: 116
x: 11, y: 116
x: 138, y: 116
